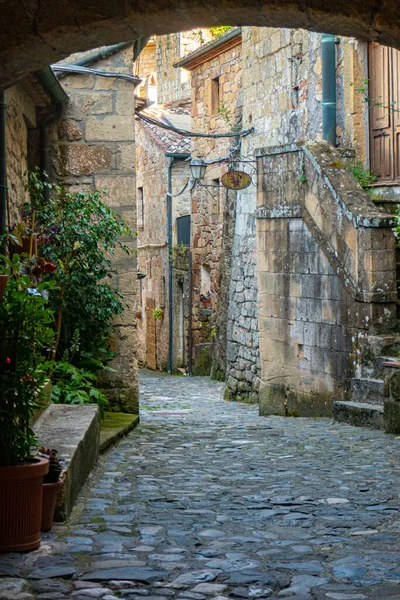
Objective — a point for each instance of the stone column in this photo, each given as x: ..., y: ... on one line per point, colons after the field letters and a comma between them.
x: 96, y: 150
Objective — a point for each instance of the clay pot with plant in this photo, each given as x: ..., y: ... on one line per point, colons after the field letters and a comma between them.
x: 27, y: 324
x: 51, y: 486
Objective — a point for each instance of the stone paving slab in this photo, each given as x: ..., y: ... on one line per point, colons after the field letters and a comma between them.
x: 204, y: 499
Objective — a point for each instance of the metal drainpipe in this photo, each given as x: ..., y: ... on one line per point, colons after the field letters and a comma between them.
x: 172, y: 157
x: 190, y: 323
x: 170, y: 286
x: 3, y: 172
x: 328, y: 55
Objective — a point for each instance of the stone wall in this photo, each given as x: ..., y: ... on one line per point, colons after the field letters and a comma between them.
x: 153, y: 252
x: 34, y: 39
x: 20, y: 117
x: 282, y: 93
x: 326, y: 277
x: 213, y: 208
x: 95, y: 149
x: 243, y: 355
x: 174, y: 84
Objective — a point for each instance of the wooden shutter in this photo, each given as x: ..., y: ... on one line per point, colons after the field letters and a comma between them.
x: 380, y: 117
x: 396, y: 113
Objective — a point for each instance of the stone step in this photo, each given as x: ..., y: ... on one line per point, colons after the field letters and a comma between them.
x: 391, y: 362
x: 367, y: 390
x: 74, y: 431
x: 360, y: 414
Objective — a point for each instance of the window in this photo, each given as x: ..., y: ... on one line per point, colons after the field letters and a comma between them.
x: 140, y: 208
x: 215, y: 96
x: 183, y: 228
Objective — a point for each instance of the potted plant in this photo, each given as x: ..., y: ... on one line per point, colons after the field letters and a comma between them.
x: 51, y: 484
x: 26, y: 335
x: 206, y: 300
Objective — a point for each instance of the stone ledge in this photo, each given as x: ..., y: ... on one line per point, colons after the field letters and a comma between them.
x: 74, y: 431
x: 359, y: 414
x: 114, y: 426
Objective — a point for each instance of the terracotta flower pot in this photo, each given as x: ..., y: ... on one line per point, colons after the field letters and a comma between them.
x: 3, y: 284
x: 21, y: 492
x: 50, y: 491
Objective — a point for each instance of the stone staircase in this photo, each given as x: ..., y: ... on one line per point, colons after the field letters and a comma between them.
x: 375, y: 393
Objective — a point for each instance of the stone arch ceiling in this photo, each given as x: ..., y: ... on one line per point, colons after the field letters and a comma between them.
x: 36, y: 33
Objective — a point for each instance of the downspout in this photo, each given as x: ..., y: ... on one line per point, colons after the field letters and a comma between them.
x: 190, y: 323
x: 59, y: 98
x: 172, y: 157
x: 3, y: 172
x: 328, y: 55
x: 170, y: 272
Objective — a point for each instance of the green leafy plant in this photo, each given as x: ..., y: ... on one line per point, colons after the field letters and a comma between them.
x: 364, y: 176
x: 27, y: 336
x: 72, y: 385
x: 158, y: 314
x: 219, y: 30
x: 78, y: 234
x: 303, y: 176
x: 363, y: 89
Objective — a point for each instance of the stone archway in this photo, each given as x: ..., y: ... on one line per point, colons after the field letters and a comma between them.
x: 37, y: 34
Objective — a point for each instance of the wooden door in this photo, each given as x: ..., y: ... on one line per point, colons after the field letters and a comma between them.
x: 384, y: 94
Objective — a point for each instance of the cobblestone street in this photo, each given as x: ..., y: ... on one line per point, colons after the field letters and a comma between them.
x: 207, y: 500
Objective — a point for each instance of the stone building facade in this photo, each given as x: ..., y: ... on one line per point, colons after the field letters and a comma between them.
x: 174, y: 84
x: 161, y: 167
x: 280, y: 95
x: 216, y: 106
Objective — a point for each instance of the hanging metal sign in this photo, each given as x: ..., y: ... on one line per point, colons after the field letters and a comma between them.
x: 236, y: 180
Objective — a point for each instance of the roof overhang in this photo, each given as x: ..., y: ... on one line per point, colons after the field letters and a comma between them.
x: 225, y: 42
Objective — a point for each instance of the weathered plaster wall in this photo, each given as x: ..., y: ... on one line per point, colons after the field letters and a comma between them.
x: 95, y: 149
x: 20, y: 116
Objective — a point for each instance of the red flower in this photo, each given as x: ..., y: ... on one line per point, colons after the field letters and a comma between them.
x: 48, y: 267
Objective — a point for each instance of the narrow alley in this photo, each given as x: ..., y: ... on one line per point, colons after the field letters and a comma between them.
x: 207, y: 500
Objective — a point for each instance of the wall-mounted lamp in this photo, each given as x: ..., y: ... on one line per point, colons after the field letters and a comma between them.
x: 198, y: 168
